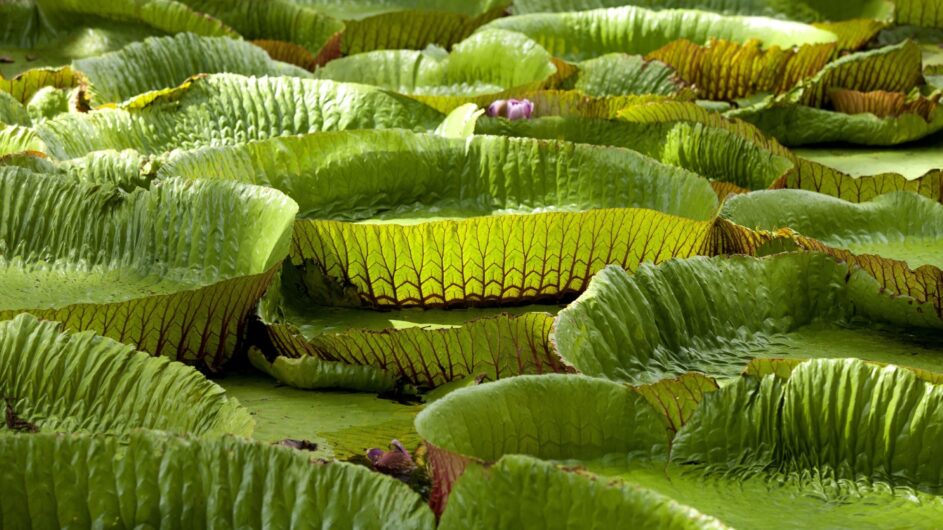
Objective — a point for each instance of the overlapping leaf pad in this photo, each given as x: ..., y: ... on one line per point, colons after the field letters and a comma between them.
x: 585, y: 34
x: 164, y: 269
x: 902, y: 226
x: 730, y: 151
x: 426, y: 242
x: 142, y: 67
x: 230, y: 109
x: 51, y: 481
x: 829, y: 442
x: 715, y: 315
x: 53, y: 380
x: 479, y: 69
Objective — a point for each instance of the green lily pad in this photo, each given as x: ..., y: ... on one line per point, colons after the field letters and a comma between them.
x: 912, y: 160
x: 581, y: 35
x: 210, y: 111
x: 835, y: 442
x: 143, y: 66
x: 54, y: 481
x: 162, y: 268
x: 902, y: 226
x: 343, y: 424
x: 52, y: 380
x: 806, y: 11
x: 541, y: 196
x: 715, y: 315
x: 487, y: 62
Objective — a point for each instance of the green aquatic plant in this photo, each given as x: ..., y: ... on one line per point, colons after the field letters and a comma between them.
x: 564, y: 264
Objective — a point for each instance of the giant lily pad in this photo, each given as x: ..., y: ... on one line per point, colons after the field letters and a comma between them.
x: 173, y: 269
x: 728, y: 151
x: 709, y: 151
x: 800, y: 116
x: 805, y: 11
x: 894, y: 68
x: 495, y: 64
x: 57, y: 481
x: 71, y: 30
x: 919, y: 13
x: 808, y: 174
x: 518, y: 490
x: 796, y: 125
x: 11, y: 111
x: 555, y: 255
x: 274, y: 21
x: 487, y: 62
x: 24, y: 86
x: 913, y: 160
x: 54, y: 380
x: 723, y: 70
x: 127, y: 170
x: 17, y: 139
x: 479, y: 68
x: 586, y: 34
x: 409, y: 24
x: 228, y: 109
x: 830, y: 443
x: 165, y: 62
x: 517, y: 221
x: 902, y: 226
x: 715, y: 315
x: 617, y: 74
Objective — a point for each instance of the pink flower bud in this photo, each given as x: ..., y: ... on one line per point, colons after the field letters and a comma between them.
x: 512, y: 109
x: 520, y: 109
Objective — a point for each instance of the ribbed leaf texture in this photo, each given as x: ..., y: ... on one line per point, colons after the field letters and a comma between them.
x: 56, y: 481
x: 165, y: 269
x: 67, y: 382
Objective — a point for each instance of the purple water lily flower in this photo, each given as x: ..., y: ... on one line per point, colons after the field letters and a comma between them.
x: 512, y: 109
x: 396, y: 462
